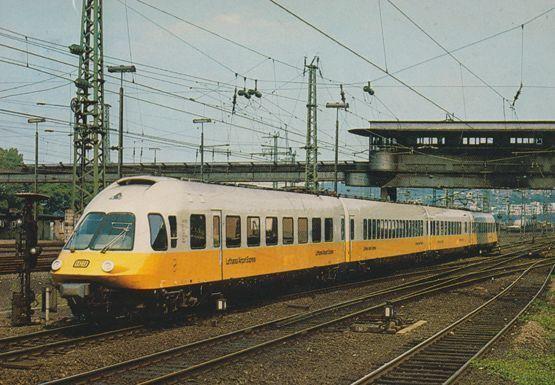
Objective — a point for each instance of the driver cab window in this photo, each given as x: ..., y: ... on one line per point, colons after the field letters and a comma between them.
x: 158, y: 233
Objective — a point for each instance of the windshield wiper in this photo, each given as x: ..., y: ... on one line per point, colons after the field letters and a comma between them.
x: 116, y: 238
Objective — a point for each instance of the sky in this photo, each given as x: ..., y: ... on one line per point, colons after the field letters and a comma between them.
x: 177, y: 62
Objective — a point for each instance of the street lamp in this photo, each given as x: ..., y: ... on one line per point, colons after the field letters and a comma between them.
x: 71, y: 123
x: 121, y: 69
x: 36, y: 121
x: 155, y: 149
x: 337, y: 106
x: 202, y: 121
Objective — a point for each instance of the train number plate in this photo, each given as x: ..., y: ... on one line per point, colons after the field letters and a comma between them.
x: 81, y: 263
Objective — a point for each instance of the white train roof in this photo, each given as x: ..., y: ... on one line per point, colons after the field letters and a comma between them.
x: 167, y: 195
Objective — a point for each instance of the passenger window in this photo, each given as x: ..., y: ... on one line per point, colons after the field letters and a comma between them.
x: 173, y: 230
x: 271, y: 231
x: 303, y: 230
x: 352, y: 229
x: 365, y: 229
x: 288, y: 231
x: 328, y: 230
x: 253, y: 231
x: 216, y: 230
x: 232, y: 231
x: 342, y: 229
x: 198, y: 231
x: 316, y: 230
x: 158, y: 234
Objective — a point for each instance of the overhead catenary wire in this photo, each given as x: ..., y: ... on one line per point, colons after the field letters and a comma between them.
x: 329, y: 146
x: 413, y: 22
x: 383, y: 35
x: 459, y: 48
x: 168, y: 93
x: 373, y: 64
x: 222, y: 111
x: 220, y: 36
x: 360, y: 56
x: 152, y: 138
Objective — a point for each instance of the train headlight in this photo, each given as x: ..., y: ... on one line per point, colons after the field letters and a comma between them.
x: 56, y: 265
x: 107, y: 266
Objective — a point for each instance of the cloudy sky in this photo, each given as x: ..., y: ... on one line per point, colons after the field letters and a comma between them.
x: 177, y: 61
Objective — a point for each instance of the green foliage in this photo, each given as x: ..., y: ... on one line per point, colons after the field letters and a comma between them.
x: 60, y: 194
x: 9, y: 159
x: 523, y: 368
x: 529, y: 366
x: 60, y: 197
x: 543, y: 312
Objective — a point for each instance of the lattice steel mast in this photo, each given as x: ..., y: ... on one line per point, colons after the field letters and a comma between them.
x: 311, y: 170
x: 88, y: 105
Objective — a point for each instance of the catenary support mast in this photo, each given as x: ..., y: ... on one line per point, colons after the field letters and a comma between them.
x: 311, y: 171
x: 88, y: 106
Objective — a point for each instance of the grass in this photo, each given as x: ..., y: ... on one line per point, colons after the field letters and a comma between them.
x: 522, y: 368
x: 529, y: 366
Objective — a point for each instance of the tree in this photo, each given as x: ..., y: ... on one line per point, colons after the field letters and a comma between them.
x: 9, y: 159
x: 60, y: 197
x: 60, y: 194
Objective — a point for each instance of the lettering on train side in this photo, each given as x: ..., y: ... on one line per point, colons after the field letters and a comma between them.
x: 419, y: 243
x: 369, y: 248
x: 241, y: 260
x: 324, y: 252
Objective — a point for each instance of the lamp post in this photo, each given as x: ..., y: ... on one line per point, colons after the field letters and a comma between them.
x: 155, y: 149
x: 337, y: 106
x: 121, y: 69
x: 202, y: 121
x: 71, y: 123
x: 36, y: 121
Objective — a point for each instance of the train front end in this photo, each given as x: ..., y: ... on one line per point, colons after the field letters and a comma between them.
x: 103, y: 269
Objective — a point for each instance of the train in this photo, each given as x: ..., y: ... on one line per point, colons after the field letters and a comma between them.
x: 159, y: 244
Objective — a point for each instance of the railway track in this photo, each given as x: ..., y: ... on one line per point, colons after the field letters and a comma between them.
x: 22, y: 350
x: 516, y: 249
x: 443, y: 357
x: 172, y: 365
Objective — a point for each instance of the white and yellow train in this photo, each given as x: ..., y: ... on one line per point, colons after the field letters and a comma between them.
x: 165, y: 244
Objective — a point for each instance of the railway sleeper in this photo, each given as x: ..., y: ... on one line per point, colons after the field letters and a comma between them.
x: 431, y: 364
x: 418, y: 377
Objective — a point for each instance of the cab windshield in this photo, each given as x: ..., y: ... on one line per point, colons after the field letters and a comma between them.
x: 100, y: 231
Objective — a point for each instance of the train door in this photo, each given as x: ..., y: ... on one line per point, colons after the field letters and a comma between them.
x: 351, y: 235
x: 345, y: 251
x: 217, y: 238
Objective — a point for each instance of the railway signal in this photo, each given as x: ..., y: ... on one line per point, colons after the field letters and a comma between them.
x: 26, y: 248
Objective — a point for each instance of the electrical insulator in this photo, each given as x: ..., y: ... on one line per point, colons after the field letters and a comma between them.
x: 368, y: 88
x: 255, y: 91
x: 234, y: 101
x: 342, y: 94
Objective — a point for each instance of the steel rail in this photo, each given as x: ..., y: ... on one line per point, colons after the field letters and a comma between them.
x: 28, y: 352
x: 97, y: 375
x: 49, y: 335
x: 205, y: 364
x: 430, y: 269
x: 404, y: 357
